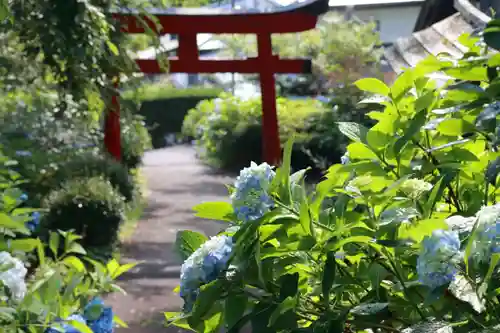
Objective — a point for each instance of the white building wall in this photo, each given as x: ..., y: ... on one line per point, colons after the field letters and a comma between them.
x: 394, y: 22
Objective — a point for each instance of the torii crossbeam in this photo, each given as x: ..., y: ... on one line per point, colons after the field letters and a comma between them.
x: 188, y: 22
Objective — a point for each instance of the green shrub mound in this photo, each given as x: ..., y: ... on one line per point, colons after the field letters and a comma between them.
x: 94, y: 165
x: 228, y: 131
x: 92, y: 208
x: 135, y: 140
x: 164, y: 108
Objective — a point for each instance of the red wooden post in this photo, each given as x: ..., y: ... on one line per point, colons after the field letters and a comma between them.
x: 188, y: 22
x: 112, y: 137
x: 271, y: 147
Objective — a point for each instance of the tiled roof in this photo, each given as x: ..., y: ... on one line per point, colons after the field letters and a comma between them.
x: 441, y: 37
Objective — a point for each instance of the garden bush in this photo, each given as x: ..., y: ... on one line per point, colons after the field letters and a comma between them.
x: 91, y: 207
x: 403, y: 236
x: 164, y: 108
x: 135, y: 140
x: 30, y: 280
x: 90, y: 165
x: 228, y: 131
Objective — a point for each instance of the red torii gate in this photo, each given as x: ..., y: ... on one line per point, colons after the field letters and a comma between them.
x: 188, y: 22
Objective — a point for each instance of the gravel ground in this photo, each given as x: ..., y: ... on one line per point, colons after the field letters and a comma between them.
x: 176, y: 181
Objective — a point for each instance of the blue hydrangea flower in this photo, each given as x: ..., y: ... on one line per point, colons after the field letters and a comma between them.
x: 23, y: 153
x: 250, y: 197
x: 103, y: 324
x: 23, y: 197
x: 438, y: 259
x: 67, y: 327
x: 203, y: 266
x: 34, y: 222
x: 487, y: 237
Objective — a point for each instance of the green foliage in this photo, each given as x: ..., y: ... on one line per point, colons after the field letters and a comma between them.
x: 38, y: 291
x: 135, y: 140
x: 90, y: 207
x: 88, y: 165
x: 224, y: 125
x: 363, y: 250
x: 164, y: 108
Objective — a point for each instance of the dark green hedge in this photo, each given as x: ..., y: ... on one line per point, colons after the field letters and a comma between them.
x: 164, y: 108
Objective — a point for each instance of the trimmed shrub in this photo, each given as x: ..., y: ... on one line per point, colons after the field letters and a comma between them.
x: 164, y: 108
x: 135, y: 140
x: 96, y: 165
x: 229, y: 135
x: 89, y: 206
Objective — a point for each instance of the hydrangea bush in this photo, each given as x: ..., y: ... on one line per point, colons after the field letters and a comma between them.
x: 47, y: 294
x: 402, y: 236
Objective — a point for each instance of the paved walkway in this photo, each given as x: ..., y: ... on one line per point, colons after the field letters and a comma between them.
x: 176, y: 182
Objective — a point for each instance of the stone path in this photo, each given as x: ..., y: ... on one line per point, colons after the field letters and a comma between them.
x: 176, y: 182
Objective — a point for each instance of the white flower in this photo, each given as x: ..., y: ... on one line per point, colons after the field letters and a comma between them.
x: 415, y: 188
x: 12, y: 275
x: 487, y: 238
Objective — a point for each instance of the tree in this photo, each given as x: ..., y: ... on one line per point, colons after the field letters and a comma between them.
x: 342, y: 52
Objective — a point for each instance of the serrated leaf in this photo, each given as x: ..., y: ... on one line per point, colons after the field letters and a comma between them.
x: 463, y: 290
x: 369, y: 309
x: 355, y: 132
x: 188, y: 241
x: 123, y: 269
x: 221, y: 211
x: 372, y: 85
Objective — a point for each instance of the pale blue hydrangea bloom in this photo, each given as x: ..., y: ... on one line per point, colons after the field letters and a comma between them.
x: 438, y: 259
x: 33, y: 224
x: 67, y: 327
x: 204, y: 266
x: 250, y: 198
x: 345, y: 158
x: 103, y: 324
x: 487, y: 237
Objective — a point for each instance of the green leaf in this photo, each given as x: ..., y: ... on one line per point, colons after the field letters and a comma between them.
x: 354, y: 239
x: 415, y: 126
x: 221, y: 211
x: 76, y: 248
x: 355, y: 132
x: 81, y: 327
x: 235, y: 309
x: 178, y: 319
x: 454, y: 127
x: 208, y: 295
x: 402, y: 85
x: 75, y: 263
x: 437, y: 193
x: 4, y: 9
x: 305, y: 218
x: 462, y: 289
x: 491, y: 35
x: 113, y: 48
x: 9, y: 223
x: 54, y: 240
x: 369, y: 309
x: 24, y: 245
x: 418, y: 230
x: 286, y: 305
x: 119, y: 321
x: 328, y: 277
x: 123, y: 268
x: 283, y: 173
x: 373, y: 85
x: 188, y: 241
x: 358, y: 150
